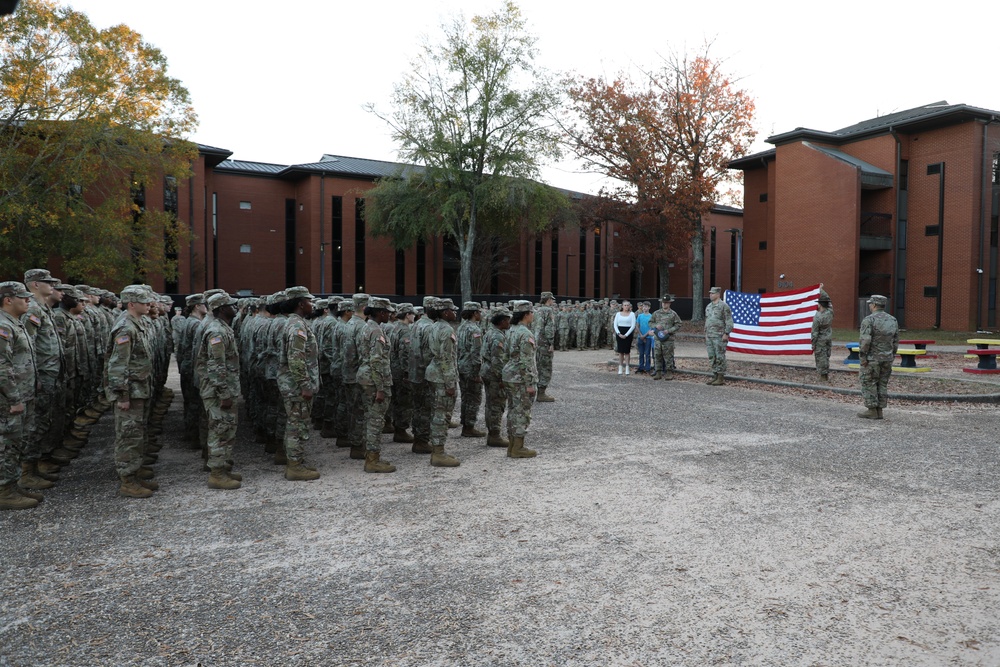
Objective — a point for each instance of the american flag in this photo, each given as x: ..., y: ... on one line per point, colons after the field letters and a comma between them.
x: 772, y: 323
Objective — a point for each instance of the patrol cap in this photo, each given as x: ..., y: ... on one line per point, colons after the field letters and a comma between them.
x: 523, y: 307
x: 500, y: 310
x: 471, y: 305
x: 404, y: 308
x: 136, y: 294
x: 345, y: 306
x: 70, y: 291
x: 276, y: 298
x: 360, y: 301
x: 208, y: 293
x: 298, y: 292
x: 14, y: 289
x: 220, y: 300
x: 320, y: 304
x: 546, y: 296
x: 194, y: 299
x: 715, y: 290
x: 445, y: 304
x: 667, y: 298
x: 418, y: 310
x: 63, y: 287
x: 378, y: 303
x: 39, y: 276
x: 428, y: 302
x: 334, y: 300
x: 878, y: 300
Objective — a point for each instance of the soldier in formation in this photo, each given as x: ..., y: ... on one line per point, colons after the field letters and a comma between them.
x: 718, y: 326
x: 877, y: 348
x: 663, y: 324
x: 520, y: 378
x: 822, y: 334
x: 545, y: 340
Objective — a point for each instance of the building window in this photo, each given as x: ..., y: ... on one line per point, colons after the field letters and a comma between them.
x: 289, y: 242
x: 421, y: 267
x: 337, y: 245
x: 763, y: 197
x: 400, y: 272
x: 930, y: 290
x: 359, y: 244
x: 597, y: 263
x: 245, y: 248
x: 170, y: 233
x: 583, y: 262
x: 762, y: 245
x: 245, y: 206
x: 711, y: 257
x: 932, y: 230
x: 538, y: 265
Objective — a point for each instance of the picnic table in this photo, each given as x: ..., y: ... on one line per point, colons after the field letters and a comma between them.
x: 920, y: 345
x: 907, y: 363
x: 986, y: 350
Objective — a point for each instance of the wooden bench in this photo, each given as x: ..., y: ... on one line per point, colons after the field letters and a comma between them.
x: 920, y: 345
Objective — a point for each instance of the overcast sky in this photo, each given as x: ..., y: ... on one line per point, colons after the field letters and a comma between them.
x: 285, y: 82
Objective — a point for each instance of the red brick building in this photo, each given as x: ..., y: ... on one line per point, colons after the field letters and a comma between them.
x: 258, y: 227
x: 903, y: 205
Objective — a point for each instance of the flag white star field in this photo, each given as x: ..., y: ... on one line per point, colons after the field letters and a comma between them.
x: 774, y: 322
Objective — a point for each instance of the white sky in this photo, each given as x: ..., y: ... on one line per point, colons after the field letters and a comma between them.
x: 285, y: 81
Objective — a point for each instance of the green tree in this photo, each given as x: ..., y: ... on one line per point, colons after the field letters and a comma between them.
x: 474, y: 114
x: 668, y: 139
x: 86, y: 117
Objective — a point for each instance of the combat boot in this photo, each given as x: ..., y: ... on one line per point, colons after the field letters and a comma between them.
x: 280, y: 459
x: 218, y: 479
x: 387, y: 427
x: 373, y: 463
x: 150, y: 484
x: 718, y: 381
x: 30, y: 479
x: 343, y: 442
x: 357, y: 452
x: 27, y: 493
x: 879, y: 410
x: 421, y: 447
x: 441, y: 460
x: 92, y: 413
x: 58, y: 459
x: 130, y: 488
x: 296, y: 472
x: 327, y: 431
x: 47, y: 470
x: 517, y: 450
x: 10, y: 499
x: 668, y: 375
x: 401, y: 435
x: 870, y: 413
x: 656, y: 375
x: 454, y: 423
x: 235, y: 475
x: 472, y: 432
x: 144, y: 473
x: 824, y: 377
x: 542, y: 397
x: 496, y: 440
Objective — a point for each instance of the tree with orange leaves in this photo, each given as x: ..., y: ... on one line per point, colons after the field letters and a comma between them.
x: 667, y: 139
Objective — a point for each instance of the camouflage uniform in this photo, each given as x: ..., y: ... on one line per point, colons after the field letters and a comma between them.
x: 298, y: 371
x: 17, y: 385
x: 419, y: 358
x: 562, y: 329
x: 544, y: 326
x: 440, y: 376
x: 128, y: 378
x: 822, y: 336
x: 402, y: 399
x: 877, y: 348
x: 663, y: 350
x: 470, y: 361
x: 519, y: 373
x: 374, y: 375
x: 718, y: 322
x: 45, y: 429
x: 350, y: 364
x: 218, y: 370
x: 494, y: 358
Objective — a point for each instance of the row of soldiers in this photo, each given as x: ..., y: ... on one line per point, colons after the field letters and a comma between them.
x: 585, y: 326
x: 54, y: 346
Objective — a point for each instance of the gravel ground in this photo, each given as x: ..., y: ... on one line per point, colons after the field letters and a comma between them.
x: 662, y: 523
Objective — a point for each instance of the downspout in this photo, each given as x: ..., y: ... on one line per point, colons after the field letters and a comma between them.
x: 899, y: 263
x: 191, y: 231
x: 984, y: 205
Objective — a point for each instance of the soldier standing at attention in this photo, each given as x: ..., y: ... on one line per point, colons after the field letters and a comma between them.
x: 423, y: 401
x: 298, y: 381
x: 351, y: 362
x: 718, y: 326
x: 663, y: 324
x: 470, y: 362
x: 441, y: 377
x: 17, y: 393
x: 129, y: 385
x: 402, y: 399
x: 218, y: 370
x: 494, y: 359
x: 822, y: 334
x: 520, y: 379
x: 877, y: 349
x: 374, y: 382
x: 184, y: 348
x: 41, y: 328
x: 545, y: 339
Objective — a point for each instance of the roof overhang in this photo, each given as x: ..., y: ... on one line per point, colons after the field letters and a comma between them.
x: 872, y: 177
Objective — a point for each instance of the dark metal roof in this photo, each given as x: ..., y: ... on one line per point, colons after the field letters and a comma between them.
x: 722, y: 209
x: 245, y: 166
x: 932, y: 115
x: 213, y: 156
x: 753, y: 161
x: 872, y: 178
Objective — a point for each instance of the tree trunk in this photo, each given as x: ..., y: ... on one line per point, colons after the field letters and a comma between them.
x: 466, y: 245
x: 664, y: 267
x: 697, y: 273
x: 638, y: 281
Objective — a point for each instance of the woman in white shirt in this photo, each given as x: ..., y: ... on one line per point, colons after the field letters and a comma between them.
x: 624, y: 331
